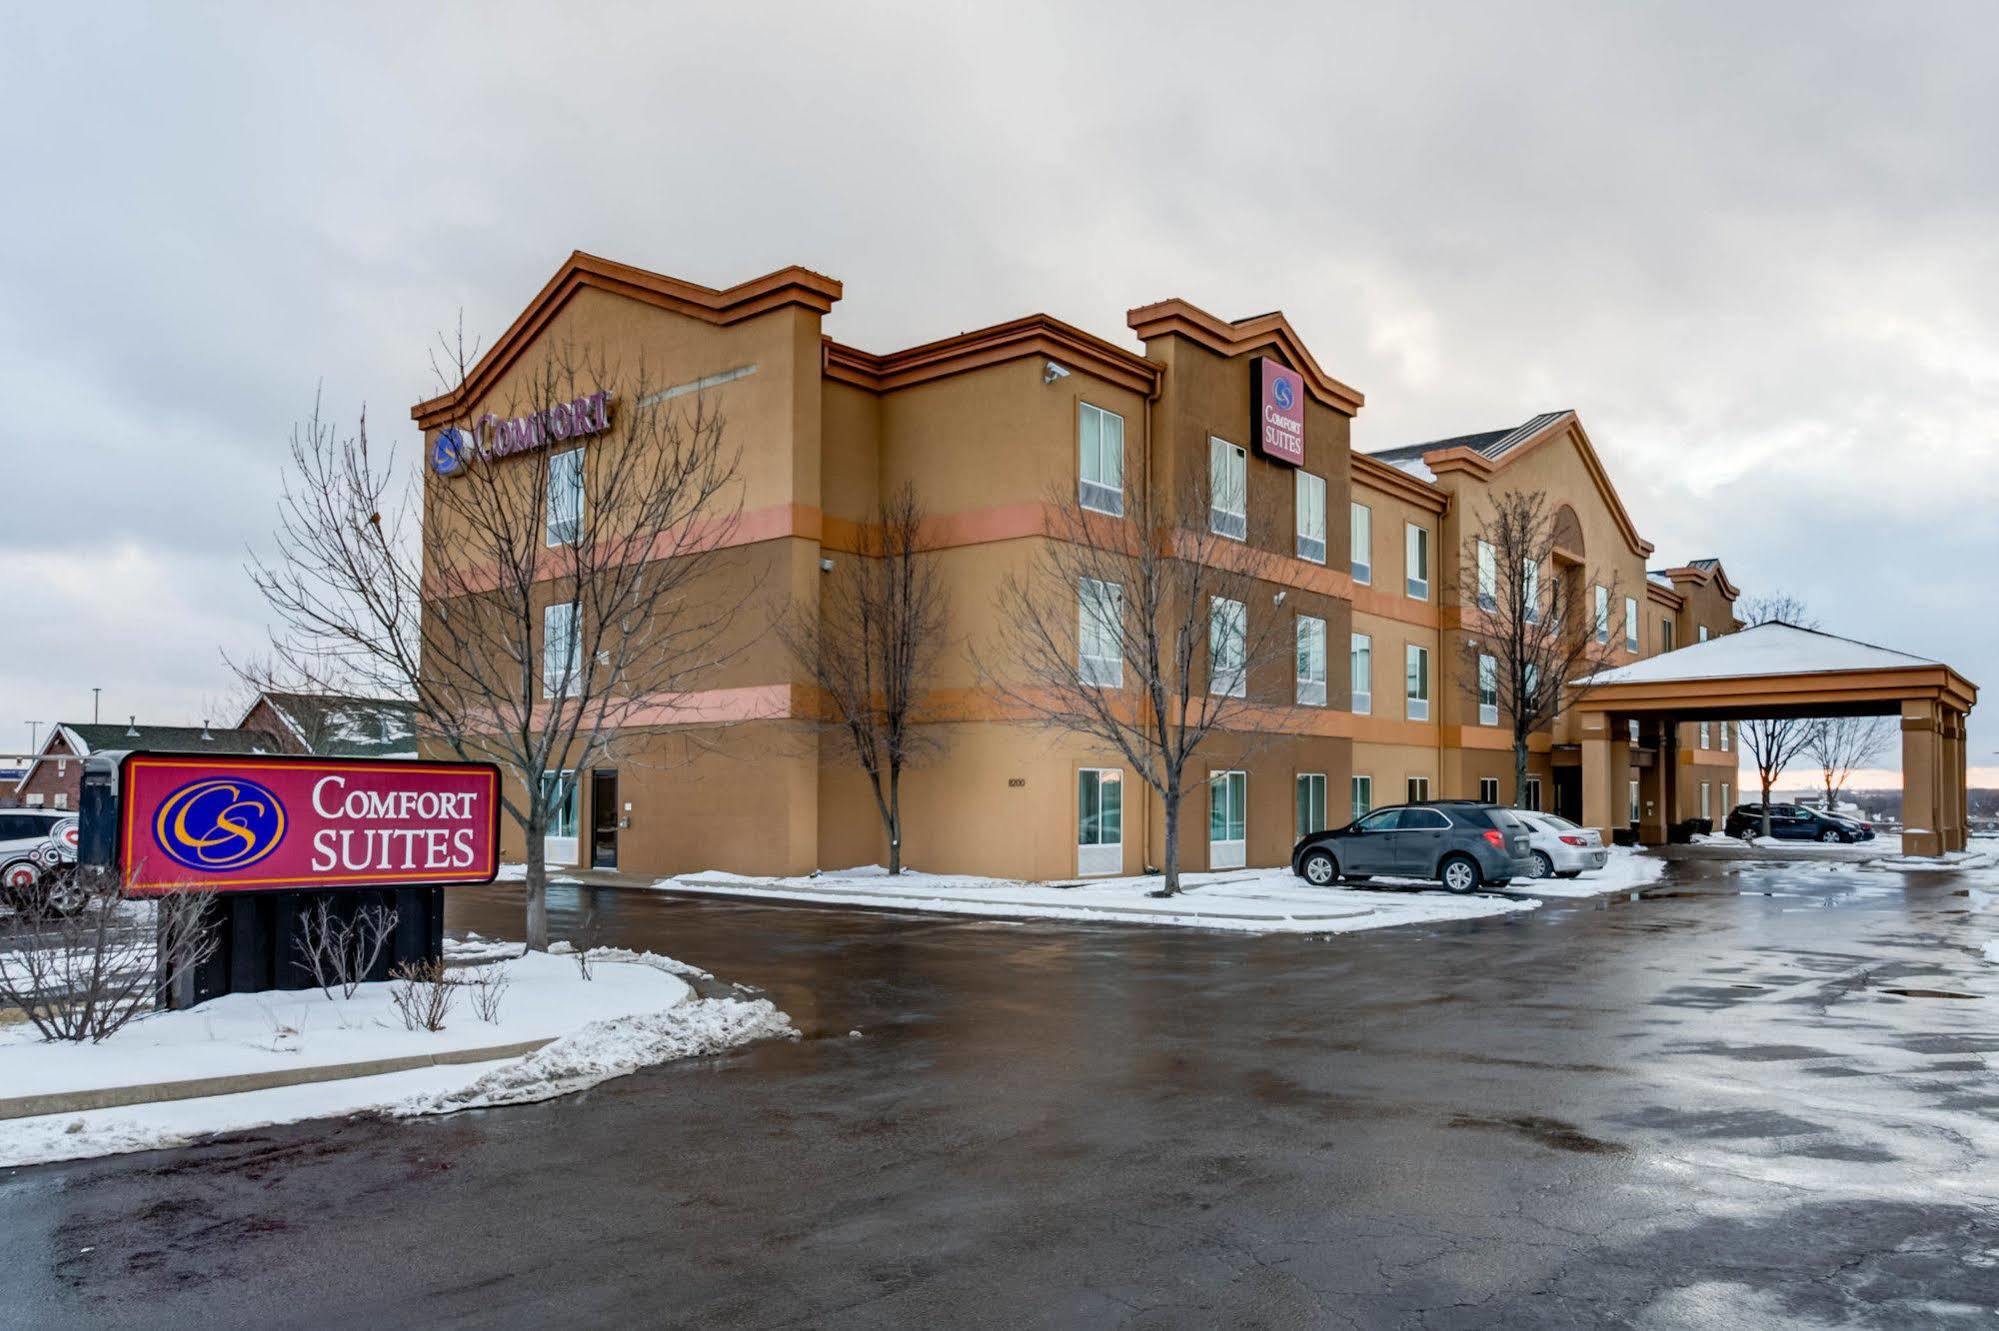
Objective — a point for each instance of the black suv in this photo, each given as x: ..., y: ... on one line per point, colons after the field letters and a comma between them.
x: 1794, y: 822
x: 1462, y: 844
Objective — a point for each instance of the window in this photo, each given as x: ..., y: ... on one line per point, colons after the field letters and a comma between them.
x: 1228, y: 643
x: 1099, y: 820
x: 1530, y: 591
x: 1360, y: 667
x: 62, y: 800
x: 1726, y: 726
x: 1703, y: 632
x: 1228, y: 794
x: 1100, y: 442
x: 1416, y: 683
x: 1634, y: 801
x: 1634, y: 730
x: 1311, y: 517
x: 1311, y: 803
x: 1488, y: 577
x: 560, y: 790
x: 1419, y: 789
x: 1423, y: 820
x: 1531, y: 681
x: 1228, y: 490
x: 1534, y: 793
x: 1311, y: 661
x: 62, y: 768
x: 1099, y: 633
x: 1416, y: 561
x: 558, y: 648
x: 565, y: 496
x: 1707, y: 810
x: 1488, y: 790
x: 1665, y: 635
x: 1488, y: 690
x: 1602, y: 613
x: 1360, y: 542
x: 1630, y: 623
x: 1704, y: 734
x: 1363, y: 795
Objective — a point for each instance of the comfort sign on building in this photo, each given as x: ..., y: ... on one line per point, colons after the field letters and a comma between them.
x: 251, y: 824
x: 1278, y: 395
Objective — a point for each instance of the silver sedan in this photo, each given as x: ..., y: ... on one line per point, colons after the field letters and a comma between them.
x: 1560, y: 848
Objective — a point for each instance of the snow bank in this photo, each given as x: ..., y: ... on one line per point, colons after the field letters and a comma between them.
x: 1627, y: 870
x: 634, y: 1009
x: 606, y: 1049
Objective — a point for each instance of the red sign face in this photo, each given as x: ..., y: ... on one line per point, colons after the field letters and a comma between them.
x: 1278, y: 396
x: 258, y: 824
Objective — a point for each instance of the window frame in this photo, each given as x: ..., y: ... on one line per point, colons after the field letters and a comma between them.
x: 551, y: 535
x: 1095, y: 670
x: 1534, y: 794
x: 1602, y: 607
x: 1632, y: 625
x: 1488, y: 682
x: 1099, y: 858
x: 1360, y: 680
x: 1415, y: 549
x: 1300, y: 515
x: 1483, y: 797
x: 1236, y: 849
x: 1416, y: 788
x: 551, y: 683
x: 1302, y: 787
x: 1360, y: 536
x: 1236, y: 670
x: 1108, y: 493
x: 1416, y: 707
x: 1232, y: 459
x: 1488, y: 576
x: 1360, y: 792
x: 1306, y: 686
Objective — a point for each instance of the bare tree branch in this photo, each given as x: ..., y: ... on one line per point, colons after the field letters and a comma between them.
x: 1774, y: 743
x: 872, y: 646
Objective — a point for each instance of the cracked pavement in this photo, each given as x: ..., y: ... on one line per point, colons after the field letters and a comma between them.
x: 1761, y: 1095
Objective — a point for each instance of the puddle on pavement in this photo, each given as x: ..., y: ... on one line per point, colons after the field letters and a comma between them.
x: 1547, y: 1131
x: 1926, y: 993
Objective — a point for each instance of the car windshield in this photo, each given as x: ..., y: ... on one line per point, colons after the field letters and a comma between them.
x: 1554, y: 822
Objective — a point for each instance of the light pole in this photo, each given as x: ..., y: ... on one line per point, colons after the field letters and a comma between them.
x: 93, y: 705
x: 33, y: 726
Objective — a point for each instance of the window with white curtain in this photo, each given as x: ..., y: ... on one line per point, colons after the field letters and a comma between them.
x: 1311, y: 517
x: 1228, y: 490
x: 1228, y: 646
x: 1416, y: 683
x: 1360, y: 542
x: 1311, y: 661
x: 558, y: 648
x: 565, y: 496
x: 1099, y: 627
x: 1488, y: 577
x: 1488, y: 690
x: 1100, y: 443
x: 1360, y: 668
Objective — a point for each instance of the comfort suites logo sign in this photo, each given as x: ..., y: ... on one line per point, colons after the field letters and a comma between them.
x: 1277, y: 396
x: 491, y: 437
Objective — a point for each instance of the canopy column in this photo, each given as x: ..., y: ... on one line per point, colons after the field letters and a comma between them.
x: 1606, y: 765
x: 1922, y: 778
x: 1655, y: 784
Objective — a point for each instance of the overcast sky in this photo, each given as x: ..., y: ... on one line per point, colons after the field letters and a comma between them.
x: 1755, y: 246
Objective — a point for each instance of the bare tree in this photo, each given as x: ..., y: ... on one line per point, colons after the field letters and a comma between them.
x: 1843, y: 745
x: 1540, y: 631
x: 532, y: 596
x: 1142, y: 633
x: 82, y: 974
x: 1774, y: 743
x: 872, y: 646
x: 341, y: 948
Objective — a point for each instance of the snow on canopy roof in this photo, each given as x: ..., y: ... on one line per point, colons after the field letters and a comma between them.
x: 1775, y: 648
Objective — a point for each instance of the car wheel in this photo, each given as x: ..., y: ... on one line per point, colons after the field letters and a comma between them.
x: 1831, y: 835
x: 18, y: 879
x: 1543, y: 866
x: 1319, y: 868
x: 1459, y: 874
x: 65, y: 895
x: 1748, y: 833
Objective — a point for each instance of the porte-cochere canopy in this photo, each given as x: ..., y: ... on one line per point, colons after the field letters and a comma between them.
x: 1781, y: 670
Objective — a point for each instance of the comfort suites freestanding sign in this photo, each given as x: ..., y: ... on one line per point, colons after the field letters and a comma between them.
x: 1277, y: 397
x: 259, y: 824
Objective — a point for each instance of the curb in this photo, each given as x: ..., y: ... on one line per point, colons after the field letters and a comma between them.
x: 111, y: 1097
x: 1077, y: 914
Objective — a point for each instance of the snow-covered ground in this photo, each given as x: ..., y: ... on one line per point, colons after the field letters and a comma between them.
x: 632, y: 1010
x: 1242, y: 900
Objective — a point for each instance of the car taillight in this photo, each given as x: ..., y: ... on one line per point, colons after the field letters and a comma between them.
x: 1493, y: 835
x: 1574, y: 841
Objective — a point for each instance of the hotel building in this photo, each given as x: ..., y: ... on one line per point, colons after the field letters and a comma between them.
x: 985, y: 425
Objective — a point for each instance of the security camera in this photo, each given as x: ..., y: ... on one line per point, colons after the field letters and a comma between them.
x: 825, y: 566
x: 1279, y: 598
x: 1050, y: 372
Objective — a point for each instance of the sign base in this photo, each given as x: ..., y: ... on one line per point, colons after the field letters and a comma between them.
x: 258, y: 937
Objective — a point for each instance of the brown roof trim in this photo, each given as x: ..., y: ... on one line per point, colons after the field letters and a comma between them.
x: 745, y: 300
x: 1032, y: 335
x: 1482, y: 467
x: 1717, y: 573
x: 1233, y: 339
x: 1665, y: 596
x: 1397, y: 482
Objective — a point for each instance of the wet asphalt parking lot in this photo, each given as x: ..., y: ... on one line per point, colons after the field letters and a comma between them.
x: 1764, y: 1094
